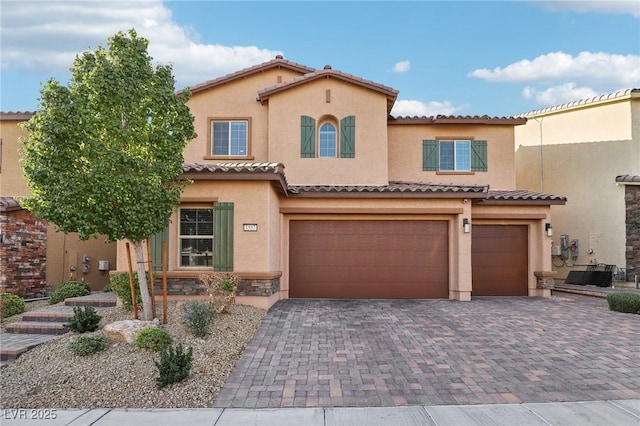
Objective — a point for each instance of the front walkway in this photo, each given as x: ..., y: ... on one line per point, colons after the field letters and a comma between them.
x: 493, y: 350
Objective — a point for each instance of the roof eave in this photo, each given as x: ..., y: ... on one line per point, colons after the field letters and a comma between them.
x: 230, y: 175
x: 520, y: 202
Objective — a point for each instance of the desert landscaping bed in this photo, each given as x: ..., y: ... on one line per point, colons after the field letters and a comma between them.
x: 123, y: 376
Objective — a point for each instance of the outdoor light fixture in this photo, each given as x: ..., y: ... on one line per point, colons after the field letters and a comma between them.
x: 466, y: 226
x: 549, y: 229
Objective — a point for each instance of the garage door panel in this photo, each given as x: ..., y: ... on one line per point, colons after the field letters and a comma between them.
x: 499, y: 256
x: 368, y: 259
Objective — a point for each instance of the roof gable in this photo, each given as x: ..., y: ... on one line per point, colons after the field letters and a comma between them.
x: 278, y: 62
x: 327, y: 73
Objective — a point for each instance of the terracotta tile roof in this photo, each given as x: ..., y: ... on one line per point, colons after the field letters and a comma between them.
x: 242, y: 171
x: 517, y: 195
x: 328, y: 72
x: 632, y: 179
x: 16, y: 115
x: 278, y: 62
x: 401, y: 188
x: 458, y: 119
x: 9, y: 204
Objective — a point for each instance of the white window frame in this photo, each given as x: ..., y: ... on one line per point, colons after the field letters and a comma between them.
x: 458, y: 146
x: 230, y: 140
x: 321, y: 147
x: 207, y: 255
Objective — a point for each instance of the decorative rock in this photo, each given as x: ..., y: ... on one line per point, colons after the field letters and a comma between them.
x: 126, y: 331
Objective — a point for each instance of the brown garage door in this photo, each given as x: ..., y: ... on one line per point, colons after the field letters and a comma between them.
x: 499, y: 258
x: 368, y: 259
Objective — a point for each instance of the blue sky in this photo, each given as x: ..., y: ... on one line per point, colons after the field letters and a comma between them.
x: 456, y: 57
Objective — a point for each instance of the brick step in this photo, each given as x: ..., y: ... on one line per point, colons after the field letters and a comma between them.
x: 47, y: 316
x: 97, y: 300
x: 14, y: 345
x: 35, y: 327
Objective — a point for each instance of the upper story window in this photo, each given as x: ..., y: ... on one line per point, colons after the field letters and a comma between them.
x: 454, y: 155
x: 322, y: 141
x: 229, y: 138
x: 327, y: 143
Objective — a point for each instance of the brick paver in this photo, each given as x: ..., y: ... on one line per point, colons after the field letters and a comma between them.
x: 334, y: 353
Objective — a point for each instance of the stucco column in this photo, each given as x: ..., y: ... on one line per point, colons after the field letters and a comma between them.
x: 461, y: 281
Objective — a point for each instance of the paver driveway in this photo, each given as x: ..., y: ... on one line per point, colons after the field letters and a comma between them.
x: 337, y: 353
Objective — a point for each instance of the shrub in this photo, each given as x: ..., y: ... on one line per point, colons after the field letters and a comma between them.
x: 70, y: 289
x: 120, y: 285
x: 624, y: 302
x: 198, y: 316
x: 10, y: 305
x: 174, y: 365
x: 84, y: 319
x: 221, y: 287
x: 153, y: 338
x: 86, y: 345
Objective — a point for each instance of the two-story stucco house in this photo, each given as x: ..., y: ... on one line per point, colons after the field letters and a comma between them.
x: 304, y: 186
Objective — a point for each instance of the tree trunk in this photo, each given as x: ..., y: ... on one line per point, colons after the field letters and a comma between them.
x: 147, y: 307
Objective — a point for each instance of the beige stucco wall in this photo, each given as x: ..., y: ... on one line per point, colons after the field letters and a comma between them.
x: 254, y: 252
x: 369, y: 167
x: 236, y: 99
x: 405, y: 154
x: 582, y: 152
x: 12, y: 180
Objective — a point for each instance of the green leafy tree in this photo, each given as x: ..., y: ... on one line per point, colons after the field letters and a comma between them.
x: 104, y: 155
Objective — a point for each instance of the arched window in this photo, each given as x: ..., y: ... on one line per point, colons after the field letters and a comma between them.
x: 327, y: 140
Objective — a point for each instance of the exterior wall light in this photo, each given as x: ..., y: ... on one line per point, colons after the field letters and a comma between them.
x: 549, y: 229
x: 466, y: 226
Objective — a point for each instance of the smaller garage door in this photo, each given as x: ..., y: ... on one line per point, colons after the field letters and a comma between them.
x: 499, y: 258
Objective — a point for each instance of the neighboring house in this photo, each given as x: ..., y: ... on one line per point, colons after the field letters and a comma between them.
x: 304, y: 186
x: 588, y: 150
x: 34, y: 256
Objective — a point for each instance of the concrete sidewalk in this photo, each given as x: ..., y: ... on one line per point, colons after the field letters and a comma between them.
x: 596, y: 413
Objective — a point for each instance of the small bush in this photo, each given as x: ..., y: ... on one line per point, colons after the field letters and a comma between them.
x: 174, y: 365
x: 84, y: 319
x: 10, y: 305
x: 70, y: 289
x: 86, y: 345
x: 120, y: 285
x: 198, y: 316
x: 624, y: 302
x: 153, y: 338
x: 221, y: 287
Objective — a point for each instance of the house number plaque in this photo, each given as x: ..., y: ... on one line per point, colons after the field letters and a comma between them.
x: 250, y: 227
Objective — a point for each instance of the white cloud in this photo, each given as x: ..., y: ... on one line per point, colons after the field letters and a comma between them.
x: 46, y: 36
x: 606, y: 6
x: 402, y: 66
x: 590, y: 68
x: 557, y: 95
x: 411, y: 108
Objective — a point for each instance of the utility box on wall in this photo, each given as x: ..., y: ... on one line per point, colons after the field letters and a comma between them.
x: 103, y: 265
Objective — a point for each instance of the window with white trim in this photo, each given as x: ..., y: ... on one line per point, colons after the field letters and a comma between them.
x: 229, y: 138
x: 455, y: 156
x: 196, y: 237
x: 327, y: 140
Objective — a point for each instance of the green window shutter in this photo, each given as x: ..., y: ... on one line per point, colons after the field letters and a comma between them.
x: 223, y: 237
x: 307, y: 137
x: 348, y: 137
x: 430, y: 155
x: 479, y: 161
x: 155, y: 242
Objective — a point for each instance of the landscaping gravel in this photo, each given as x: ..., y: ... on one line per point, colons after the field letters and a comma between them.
x: 124, y: 376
